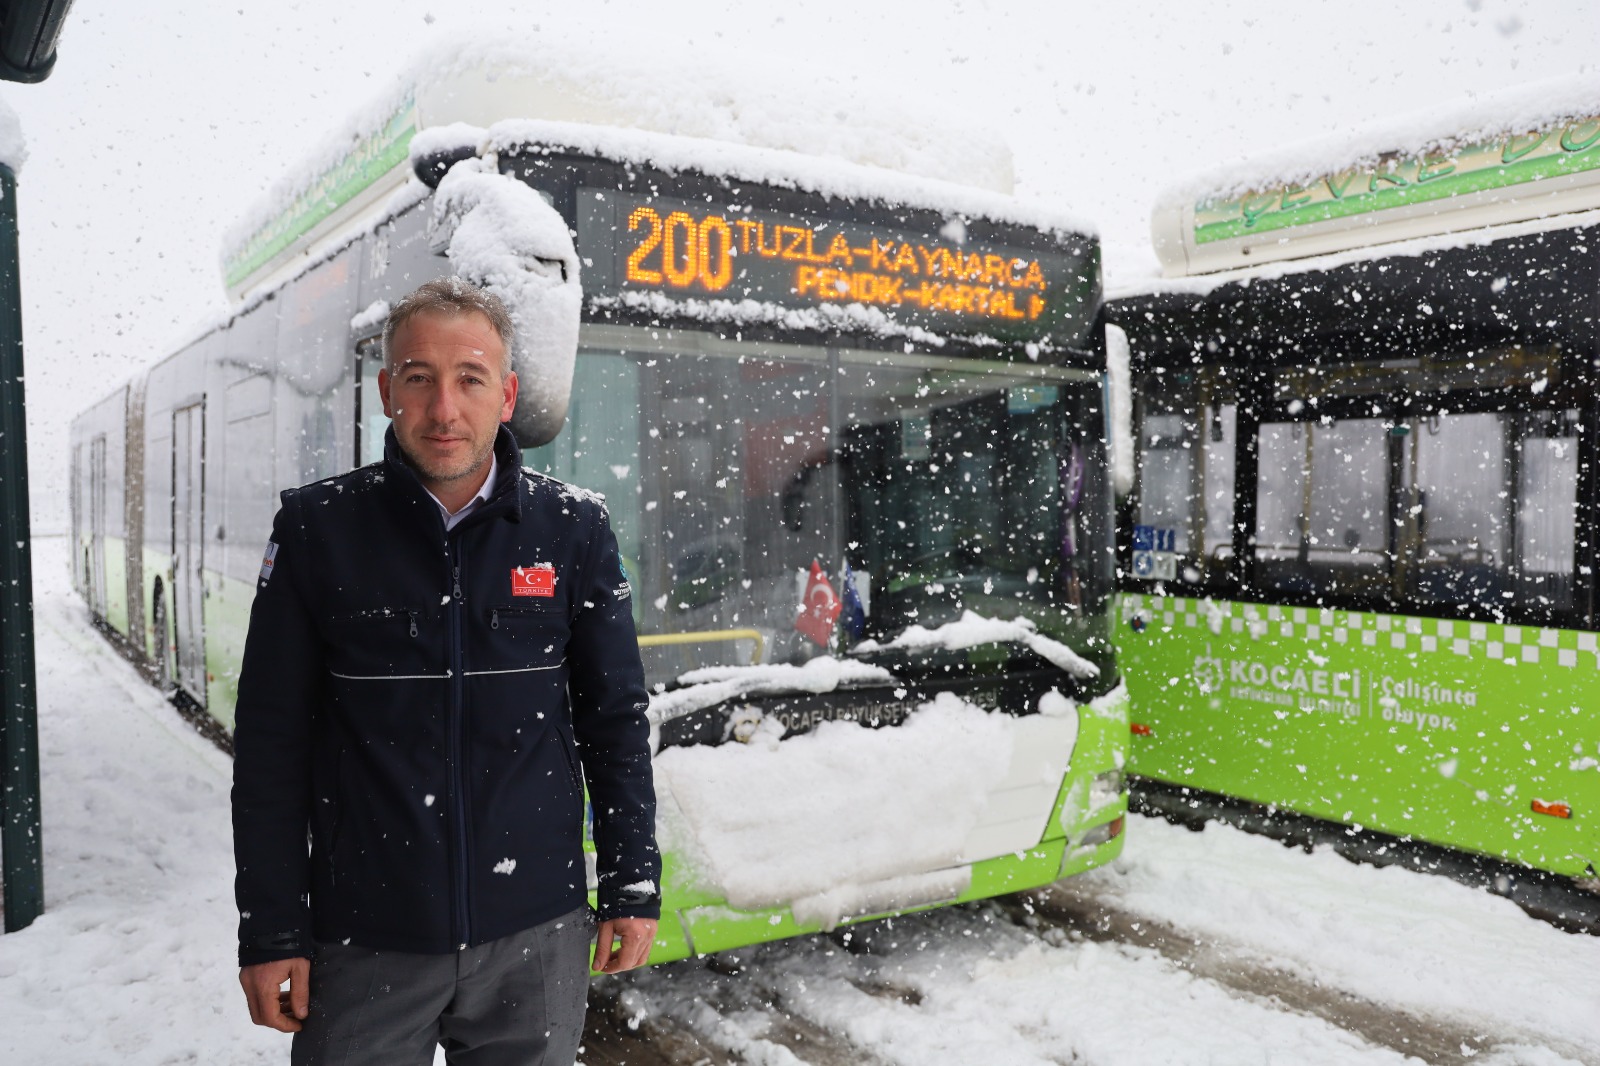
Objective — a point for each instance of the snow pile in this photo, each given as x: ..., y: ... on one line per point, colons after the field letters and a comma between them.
x: 1528, y: 108
x: 714, y: 684
x: 13, y: 148
x: 500, y: 233
x: 766, y: 824
x: 974, y: 629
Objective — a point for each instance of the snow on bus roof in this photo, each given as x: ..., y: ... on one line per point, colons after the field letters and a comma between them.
x: 1484, y: 163
x: 1132, y: 287
x: 827, y: 176
x: 482, y: 82
x: 1529, y: 108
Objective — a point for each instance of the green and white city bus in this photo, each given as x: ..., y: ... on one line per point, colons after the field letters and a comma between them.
x: 850, y: 427
x: 1358, y: 556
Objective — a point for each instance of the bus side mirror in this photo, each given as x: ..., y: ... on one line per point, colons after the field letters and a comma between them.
x: 28, y: 33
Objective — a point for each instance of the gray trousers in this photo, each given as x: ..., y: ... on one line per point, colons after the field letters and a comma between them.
x: 516, y: 1001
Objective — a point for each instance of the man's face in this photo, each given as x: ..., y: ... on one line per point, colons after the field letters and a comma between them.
x: 446, y: 393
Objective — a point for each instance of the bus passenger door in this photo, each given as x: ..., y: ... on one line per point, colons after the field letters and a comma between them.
x: 371, y: 422
x: 97, y: 526
x: 188, y: 539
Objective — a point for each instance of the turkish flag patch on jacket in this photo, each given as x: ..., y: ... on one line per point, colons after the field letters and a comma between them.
x: 536, y: 580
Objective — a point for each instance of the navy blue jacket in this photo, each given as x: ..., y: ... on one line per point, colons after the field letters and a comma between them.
x: 421, y: 703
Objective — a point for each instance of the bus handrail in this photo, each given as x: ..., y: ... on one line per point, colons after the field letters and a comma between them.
x: 708, y: 636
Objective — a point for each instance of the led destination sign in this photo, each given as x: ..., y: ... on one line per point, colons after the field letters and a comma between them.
x: 734, y: 253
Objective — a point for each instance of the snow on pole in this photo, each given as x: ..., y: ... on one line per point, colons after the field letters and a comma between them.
x: 500, y: 233
x: 13, y: 148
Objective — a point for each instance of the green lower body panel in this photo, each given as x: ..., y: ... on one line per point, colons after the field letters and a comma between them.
x: 1475, y: 736
x: 1083, y: 832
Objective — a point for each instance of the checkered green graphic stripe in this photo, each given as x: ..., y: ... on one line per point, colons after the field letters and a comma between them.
x: 1483, y: 641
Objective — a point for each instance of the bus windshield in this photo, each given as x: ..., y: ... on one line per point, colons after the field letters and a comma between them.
x: 919, y: 487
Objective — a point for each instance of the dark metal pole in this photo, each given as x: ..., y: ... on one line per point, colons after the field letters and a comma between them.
x: 20, y: 844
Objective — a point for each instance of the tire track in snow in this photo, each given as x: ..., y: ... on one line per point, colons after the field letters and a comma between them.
x: 1435, y: 1041
x: 965, y: 985
x: 728, y: 1014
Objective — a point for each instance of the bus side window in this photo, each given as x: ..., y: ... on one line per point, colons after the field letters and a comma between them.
x: 1494, y: 500
x: 1440, y: 510
x: 1186, y: 446
x: 1547, y: 492
x: 1322, y: 508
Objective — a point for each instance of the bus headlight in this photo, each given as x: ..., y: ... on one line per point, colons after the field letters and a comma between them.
x: 1106, y: 788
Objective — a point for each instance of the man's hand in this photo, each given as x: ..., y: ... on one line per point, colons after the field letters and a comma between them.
x: 270, y: 1007
x: 636, y: 934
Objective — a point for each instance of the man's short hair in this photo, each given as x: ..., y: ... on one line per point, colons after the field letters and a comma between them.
x: 451, y: 296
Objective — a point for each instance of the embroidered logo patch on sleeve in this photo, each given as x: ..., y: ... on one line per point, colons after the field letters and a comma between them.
x: 267, y: 560
x: 536, y: 580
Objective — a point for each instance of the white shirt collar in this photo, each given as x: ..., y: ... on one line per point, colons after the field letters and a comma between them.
x: 484, y: 490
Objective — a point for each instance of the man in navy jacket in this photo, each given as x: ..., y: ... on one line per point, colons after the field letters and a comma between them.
x: 441, y: 652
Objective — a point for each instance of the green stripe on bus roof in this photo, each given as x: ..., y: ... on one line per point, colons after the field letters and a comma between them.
x: 375, y: 156
x: 1424, y: 179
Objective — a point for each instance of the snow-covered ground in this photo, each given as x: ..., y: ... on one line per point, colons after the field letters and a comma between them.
x: 1212, y: 948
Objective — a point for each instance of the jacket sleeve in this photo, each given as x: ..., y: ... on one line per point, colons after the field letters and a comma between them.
x: 279, y: 682
x: 609, y: 702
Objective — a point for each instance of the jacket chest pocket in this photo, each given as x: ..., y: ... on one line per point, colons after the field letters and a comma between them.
x: 379, y: 642
x: 523, y: 637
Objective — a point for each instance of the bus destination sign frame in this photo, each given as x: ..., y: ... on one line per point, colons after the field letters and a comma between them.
x: 717, y: 257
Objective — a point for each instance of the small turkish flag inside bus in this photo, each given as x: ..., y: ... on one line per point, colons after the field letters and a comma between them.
x: 820, y: 610
x: 537, y: 580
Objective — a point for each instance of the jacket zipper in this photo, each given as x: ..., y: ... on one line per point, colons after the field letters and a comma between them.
x: 458, y: 784
x: 495, y: 613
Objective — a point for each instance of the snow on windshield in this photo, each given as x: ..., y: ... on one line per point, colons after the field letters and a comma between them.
x: 712, y: 685
x: 974, y: 629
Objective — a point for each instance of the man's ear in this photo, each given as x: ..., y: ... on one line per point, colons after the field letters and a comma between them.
x: 510, y: 396
x: 383, y: 391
